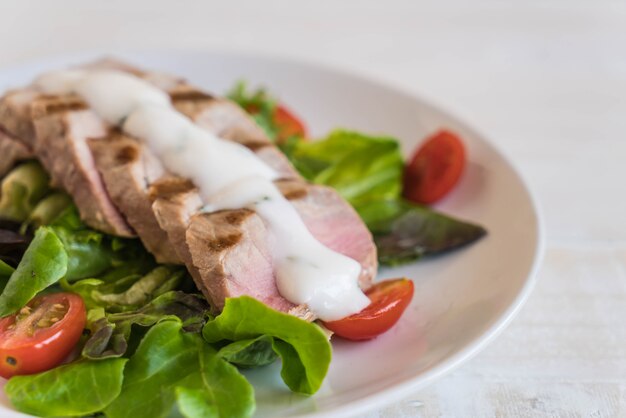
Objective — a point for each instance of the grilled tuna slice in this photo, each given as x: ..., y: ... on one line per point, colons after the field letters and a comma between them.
x: 176, y: 200
x: 12, y: 151
x: 128, y: 168
x: 62, y: 131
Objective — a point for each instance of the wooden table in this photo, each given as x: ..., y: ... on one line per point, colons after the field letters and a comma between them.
x: 546, y: 80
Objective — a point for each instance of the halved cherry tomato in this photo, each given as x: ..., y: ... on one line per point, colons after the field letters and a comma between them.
x: 389, y: 300
x: 288, y: 124
x: 41, y: 335
x: 435, y: 168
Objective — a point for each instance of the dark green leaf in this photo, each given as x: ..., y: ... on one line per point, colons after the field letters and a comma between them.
x: 105, y: 341
x: 304, y: 365
x: 75, y: 389
x: 250, y: 353
x: 176, y: 371
x: 413, y: 231
x: 44, y: 263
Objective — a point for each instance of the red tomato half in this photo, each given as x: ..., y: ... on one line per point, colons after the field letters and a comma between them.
x: 41, y: 335
x: 288, y: 124
x: 389, y: 300
x: 435, y: 168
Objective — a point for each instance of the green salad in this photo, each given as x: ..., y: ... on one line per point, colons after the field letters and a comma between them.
x: 150, y: 345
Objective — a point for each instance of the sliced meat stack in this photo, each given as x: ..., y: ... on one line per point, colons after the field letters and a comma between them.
x: 121, y: 188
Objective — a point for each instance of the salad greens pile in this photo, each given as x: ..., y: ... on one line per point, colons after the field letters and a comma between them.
x: 151, y: 347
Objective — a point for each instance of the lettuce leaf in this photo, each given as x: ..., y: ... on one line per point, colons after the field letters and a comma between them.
x: 126, y: 292
x: 361, y: 168
x: 92, y: 253
x: 173, y: 372
x: 160, y: 280
x: 303, y: 347
x: 44, y: 263
x: 111, y: 333
x: 75, y: 389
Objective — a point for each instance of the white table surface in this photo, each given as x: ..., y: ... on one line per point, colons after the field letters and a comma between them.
x: 546, y: 80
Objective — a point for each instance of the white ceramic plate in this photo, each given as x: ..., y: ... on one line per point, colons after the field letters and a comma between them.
x: 462, y: 300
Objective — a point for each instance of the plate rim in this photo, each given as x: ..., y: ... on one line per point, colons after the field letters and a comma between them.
x: 399, y: 390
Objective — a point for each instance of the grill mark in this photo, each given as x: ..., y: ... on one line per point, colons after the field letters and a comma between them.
x: 127, y: 154
x: 59, y: 107
x: 236, y: 217
x: 256, y: 145
x: 170, y: 187
x: 46, y: 96
x: 50, y: 105
x: 291, y: 189
x: 295, y: 194
x: 225, y: 242
x: 190, y: 96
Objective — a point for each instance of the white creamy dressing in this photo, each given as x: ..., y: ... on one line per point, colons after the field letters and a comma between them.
x: 228, y: 176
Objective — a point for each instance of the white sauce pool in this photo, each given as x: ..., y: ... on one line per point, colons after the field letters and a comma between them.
x: 228, y: 176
